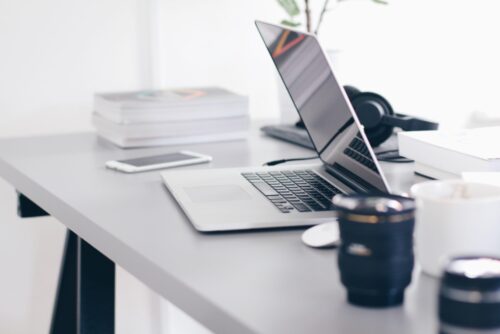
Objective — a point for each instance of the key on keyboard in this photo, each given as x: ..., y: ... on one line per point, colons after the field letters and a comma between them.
x: 358, y: 151
x: 289, y: 191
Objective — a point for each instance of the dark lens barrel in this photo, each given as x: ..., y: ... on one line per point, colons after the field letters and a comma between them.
x: 376, y: 253
x: 469, y: 296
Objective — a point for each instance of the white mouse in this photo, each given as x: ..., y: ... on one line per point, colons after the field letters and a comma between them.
x: 322, y: 235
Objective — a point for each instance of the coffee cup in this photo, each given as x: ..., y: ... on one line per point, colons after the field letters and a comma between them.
x: 455, y: 218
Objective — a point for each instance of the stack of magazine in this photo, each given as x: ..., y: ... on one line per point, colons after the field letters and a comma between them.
x: 170, y: 117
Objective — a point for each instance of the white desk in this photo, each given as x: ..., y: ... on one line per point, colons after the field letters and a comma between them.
x: 249, y: 282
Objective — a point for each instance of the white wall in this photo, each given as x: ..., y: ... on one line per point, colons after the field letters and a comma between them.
x: 216, y: 43
x: 56, y: 53
x: 433, y: 58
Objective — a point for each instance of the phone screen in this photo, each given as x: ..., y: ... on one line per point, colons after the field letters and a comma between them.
x: 157, y: 159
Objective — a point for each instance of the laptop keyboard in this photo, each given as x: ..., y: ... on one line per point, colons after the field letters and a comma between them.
x: 358, y: 151
x: 294, y: 191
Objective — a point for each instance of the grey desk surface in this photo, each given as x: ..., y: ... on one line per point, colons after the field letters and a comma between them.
x: 247, y: 282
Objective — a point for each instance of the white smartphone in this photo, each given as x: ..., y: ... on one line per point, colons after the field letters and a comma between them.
x: 176, y: 159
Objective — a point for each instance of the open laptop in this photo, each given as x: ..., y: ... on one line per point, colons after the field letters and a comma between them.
x: 294, y: 195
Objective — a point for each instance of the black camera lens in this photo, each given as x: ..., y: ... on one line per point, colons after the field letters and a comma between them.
x: 375, y: 257
x: 469, y: 296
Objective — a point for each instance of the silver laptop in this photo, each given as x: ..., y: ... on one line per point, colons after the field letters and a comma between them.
x: 279, y: 196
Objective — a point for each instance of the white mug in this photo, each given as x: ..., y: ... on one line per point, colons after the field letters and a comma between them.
x: 455, y: 218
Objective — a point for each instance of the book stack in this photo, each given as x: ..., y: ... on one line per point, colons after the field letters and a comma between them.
x: 445, y: 154
x: 170, y: 117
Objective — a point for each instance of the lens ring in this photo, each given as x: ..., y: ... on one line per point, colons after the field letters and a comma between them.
x: 470, y: 296
x: 373, y: 219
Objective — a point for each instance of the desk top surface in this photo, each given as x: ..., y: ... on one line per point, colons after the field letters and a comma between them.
x: 244, y: 282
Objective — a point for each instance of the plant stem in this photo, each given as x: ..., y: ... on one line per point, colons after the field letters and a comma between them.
x: 308, y: 16
x: 323, y: 11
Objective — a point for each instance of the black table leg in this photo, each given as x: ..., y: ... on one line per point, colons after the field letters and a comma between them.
x: 27, y: 208
x: 85, y: 297
x: 64, y: 313
x: 96, y: 291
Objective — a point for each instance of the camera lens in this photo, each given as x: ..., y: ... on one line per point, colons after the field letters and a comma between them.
x: 376, y: 253
x: 469, y: 297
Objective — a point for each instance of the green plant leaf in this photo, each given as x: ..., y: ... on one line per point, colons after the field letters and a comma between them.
x: 381, y: 2
x: 291, y: 7
x: 290, y: 23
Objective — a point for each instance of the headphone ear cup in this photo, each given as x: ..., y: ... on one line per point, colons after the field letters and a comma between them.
x: 351, y: 92
x: 370, y: 108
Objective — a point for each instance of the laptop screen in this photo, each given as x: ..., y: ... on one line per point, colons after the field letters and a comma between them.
x: 323, y: 107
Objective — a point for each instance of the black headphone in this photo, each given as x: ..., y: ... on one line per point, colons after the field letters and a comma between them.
x: 378, y: 117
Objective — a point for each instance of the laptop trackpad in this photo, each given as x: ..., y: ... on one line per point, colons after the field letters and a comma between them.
x: 202, y: 194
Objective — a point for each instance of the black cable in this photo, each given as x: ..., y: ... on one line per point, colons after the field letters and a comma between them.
x: 394, y: 157
x: 401, y: 160
x: 388, y: 151
x: 281, y: 161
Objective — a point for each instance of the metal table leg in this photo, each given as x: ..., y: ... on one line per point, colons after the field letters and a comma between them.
x: 64, y: 312
x: 95, y: 291
x: 85, y: 297
x: 26, y: 208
